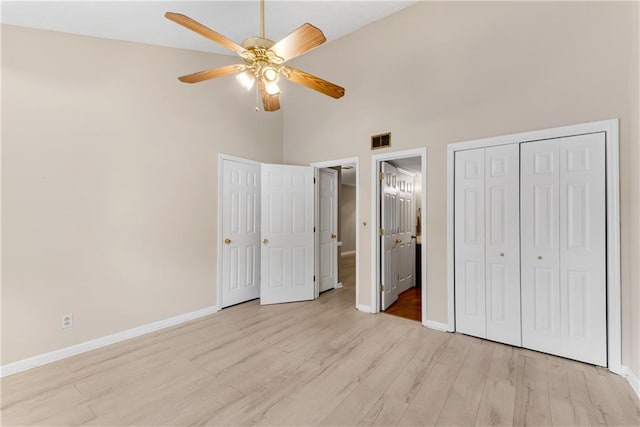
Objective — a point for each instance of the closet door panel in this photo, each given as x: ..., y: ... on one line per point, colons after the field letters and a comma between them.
x: 470, y: 243
x: 502, y: 243
x: 583, y: 248
x: 539, y: 213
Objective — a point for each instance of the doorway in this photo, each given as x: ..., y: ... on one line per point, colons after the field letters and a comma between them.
x: 398, y: 257
x: 347, y: 231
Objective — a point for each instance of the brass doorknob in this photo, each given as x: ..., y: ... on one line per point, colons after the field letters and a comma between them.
x: 265, y: 241
x: 227, y: 241
x: 398, y: 241
x: 333, y: 236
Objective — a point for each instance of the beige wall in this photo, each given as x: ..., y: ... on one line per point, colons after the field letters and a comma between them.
x: 348, y: 218
x: 443, y: 72
x: 109, y: 184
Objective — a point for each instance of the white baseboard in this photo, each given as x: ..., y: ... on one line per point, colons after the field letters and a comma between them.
x: 63, y: 353
x: 347, y: 253
x: 438, y: 326
x: 632, y: 379
x: 364, y: 308
x: 338, y: 285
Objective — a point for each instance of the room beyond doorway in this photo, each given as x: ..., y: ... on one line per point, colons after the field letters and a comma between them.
x: 399, y: 209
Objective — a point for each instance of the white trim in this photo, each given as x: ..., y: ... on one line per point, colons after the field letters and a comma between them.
x: 375, y: 215
x: 364, y: 308
x: 438, y: 326
x: 632, y: 379
x: 221, y: 158
x: 63, y: 353
x: 348, y: 253
x: 338, y: 285
x: 610, y: 127
x: 342, y: 162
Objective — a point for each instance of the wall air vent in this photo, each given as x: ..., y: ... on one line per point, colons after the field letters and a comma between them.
x: 382, y: 140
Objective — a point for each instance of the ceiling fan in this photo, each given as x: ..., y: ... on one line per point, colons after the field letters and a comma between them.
x: 263, y: 60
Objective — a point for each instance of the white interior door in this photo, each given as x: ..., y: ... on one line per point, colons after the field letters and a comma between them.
x: 564, y: 248
x: 328, y: 229
x: 287, y: 256
x: 502, y: 243
x: 241, y: 233
x: 405, y: 251
x: 469, y: 199
x: 389, y: 235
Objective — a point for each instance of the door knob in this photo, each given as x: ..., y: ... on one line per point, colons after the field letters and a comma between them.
x: 333, y: 236
x: 398, y: 241
x: 227, y: 241
x: 539, y: 257
x: 265, y: 241
x: 501, y: 253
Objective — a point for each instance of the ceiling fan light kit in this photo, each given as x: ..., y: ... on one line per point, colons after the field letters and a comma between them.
x: 263, y: 60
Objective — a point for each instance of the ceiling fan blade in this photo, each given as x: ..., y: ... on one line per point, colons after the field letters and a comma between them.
x: 270, y: 102
x: 211, y: 74
x: 207, y: 32
x: 313, y: 82
x: 302, y: 39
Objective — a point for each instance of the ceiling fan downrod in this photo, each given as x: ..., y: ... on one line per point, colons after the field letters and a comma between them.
x: 262, y: 18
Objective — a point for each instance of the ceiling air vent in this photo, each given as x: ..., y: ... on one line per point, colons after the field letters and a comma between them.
x: 381, y: 141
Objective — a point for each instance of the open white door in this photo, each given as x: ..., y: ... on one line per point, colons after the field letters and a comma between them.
x: 328, y: 228
x: 241, y: 233
x: 405, y: 251
x: 287, y: 234
x: 389, y: 234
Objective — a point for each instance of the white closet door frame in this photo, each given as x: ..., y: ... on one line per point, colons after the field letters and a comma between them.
x: 610, y: 128
x: 374, y: 227
x: 221, y: 158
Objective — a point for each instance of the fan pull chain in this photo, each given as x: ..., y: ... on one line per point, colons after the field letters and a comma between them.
x: 257, y: 99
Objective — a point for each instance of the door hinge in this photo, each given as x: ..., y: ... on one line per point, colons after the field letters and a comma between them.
x: 314, y: 278
x: 382, y: 231
x: 381, y: 176
x: 314, y: 180
x: 314, y: 229
x: 381, y: 287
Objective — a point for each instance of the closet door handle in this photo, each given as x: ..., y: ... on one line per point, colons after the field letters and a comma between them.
x: 539, y: 257
x: 265, y: 241
x: 227, y: 241
x: 501, y: 253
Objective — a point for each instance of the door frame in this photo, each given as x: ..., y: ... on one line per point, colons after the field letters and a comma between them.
x: 334, y: 163
x: 610, y: 128
x: 376, y: 159
x: 221, y: 158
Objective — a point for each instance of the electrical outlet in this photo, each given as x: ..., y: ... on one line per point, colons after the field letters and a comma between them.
x: 66, y: 321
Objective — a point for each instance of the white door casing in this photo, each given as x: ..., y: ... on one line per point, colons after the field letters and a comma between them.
x: 328, y: 228
x: 287, y: 250
x: 470, y: 242
x: 241, y: 232
x: 389, y: 234
x: 564, y: 249
x: 405, y: 251
x: 502, y: 243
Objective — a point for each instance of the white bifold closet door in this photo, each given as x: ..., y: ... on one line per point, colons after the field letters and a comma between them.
x: 564, y: 248
x: 487, y: 247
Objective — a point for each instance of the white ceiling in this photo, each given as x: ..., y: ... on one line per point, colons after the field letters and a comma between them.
x: 143, y: 21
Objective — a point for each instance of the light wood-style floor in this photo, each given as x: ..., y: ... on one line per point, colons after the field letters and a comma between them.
x: 311, y: 363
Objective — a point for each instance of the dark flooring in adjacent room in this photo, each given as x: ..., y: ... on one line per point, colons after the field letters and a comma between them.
x: 408, y: 305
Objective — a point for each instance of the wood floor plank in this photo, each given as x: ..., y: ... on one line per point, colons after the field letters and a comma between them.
x: 532, y: 398
x: 498, y: 397
x: 311, y: 363
x: 464, y: 399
